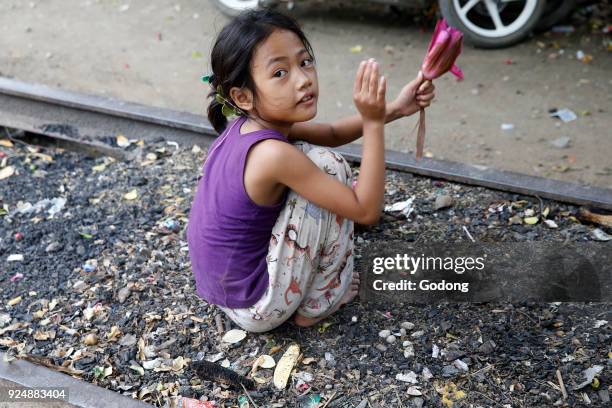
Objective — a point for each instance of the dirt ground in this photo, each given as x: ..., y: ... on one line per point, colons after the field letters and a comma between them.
x: 155, y: 52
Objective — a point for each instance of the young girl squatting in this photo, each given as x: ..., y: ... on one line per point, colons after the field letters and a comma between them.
x: 270, y: 230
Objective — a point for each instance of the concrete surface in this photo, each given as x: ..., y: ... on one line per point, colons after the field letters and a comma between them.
x: 155, y: 52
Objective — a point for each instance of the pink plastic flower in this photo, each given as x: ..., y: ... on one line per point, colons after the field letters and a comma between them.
x: 445, y: 47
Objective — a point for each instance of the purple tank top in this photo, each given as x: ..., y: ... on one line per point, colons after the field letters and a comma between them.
x: 228, y: 234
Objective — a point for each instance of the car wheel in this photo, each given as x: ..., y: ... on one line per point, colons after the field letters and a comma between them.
x: 234, y: 7
x: 555, y: 12
x: 493, y: 23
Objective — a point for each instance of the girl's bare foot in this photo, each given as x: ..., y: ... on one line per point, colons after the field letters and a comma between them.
x: 349, y: 295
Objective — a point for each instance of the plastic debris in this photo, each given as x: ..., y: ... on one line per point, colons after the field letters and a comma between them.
x: 590, y: 375
x: 599, y: 235
x: 52, y: 206
x: 561, y: 142
x: 507, y: 126
x: 564, y: 114
x: 409, y: 377
x: 357, y: 48
x: 16, y: 277
x: 89, y: 267
x: 15, y: 258
x: 310, y: 401
x: 404, y: 206
x: 600, y: 323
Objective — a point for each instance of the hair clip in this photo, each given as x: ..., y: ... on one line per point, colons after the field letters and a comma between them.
x: 208, y: 78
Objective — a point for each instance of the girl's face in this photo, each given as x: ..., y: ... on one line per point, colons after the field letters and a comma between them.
x: 284, y: 73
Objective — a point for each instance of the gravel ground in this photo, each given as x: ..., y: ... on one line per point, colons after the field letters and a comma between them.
x: 104, y: 292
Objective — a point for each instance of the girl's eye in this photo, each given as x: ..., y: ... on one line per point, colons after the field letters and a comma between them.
x: 280, y: 70
x: 309, y: 60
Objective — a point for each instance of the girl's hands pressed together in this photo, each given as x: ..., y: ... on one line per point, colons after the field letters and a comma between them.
x: 369, y: 92
x: 415, y: 95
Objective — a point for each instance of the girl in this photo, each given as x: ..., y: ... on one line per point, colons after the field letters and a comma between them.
x: 271, y: 226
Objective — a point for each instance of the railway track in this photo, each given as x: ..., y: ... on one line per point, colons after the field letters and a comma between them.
x: 82, y: 122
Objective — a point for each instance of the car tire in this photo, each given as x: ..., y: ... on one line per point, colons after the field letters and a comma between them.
x: 232, y: 8
x: 555, y: 12
x: 480, y: 36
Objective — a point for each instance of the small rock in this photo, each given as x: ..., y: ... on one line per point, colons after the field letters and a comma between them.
x: 487, y: 347
x: 599, y: 235
x: 90, y: 340
x: 443, y: 201
x: 515, y: 220
x: 407, y: 325
x: 123, y: 294
x: 381, y: 347
x: 53, y: 247
x: 79, y: 286
x: 461, y: 365
x: 390, y: 339
x: 384, y: 333
x: 418, y: 402
x: 551, y: 224
x: 449, y: 371
x: 417, y: 334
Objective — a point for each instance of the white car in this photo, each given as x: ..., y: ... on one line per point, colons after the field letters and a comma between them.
x: 484, y: 23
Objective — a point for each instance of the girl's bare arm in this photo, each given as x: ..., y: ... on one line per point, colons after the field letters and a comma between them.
x: 348, y: 129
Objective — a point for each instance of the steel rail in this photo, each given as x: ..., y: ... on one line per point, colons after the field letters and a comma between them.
x: 87, y: 119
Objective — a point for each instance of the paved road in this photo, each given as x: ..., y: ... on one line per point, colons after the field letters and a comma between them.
x: 154, y: 53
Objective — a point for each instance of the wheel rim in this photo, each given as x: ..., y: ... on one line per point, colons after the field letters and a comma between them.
x: 240, y: 4
x: 502, y: 14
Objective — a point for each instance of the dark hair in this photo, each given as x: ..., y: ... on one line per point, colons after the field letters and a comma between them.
x: 234, y: 47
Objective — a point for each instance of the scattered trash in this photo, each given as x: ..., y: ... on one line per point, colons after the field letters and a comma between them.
x: 15, y: 258
x: 586, y: 58
x: 14, y: 301
x: 404, y: 206
x: 52, y: 206
x: 7, y: 172
x: 384, y: 333
x: 131, y: 195
x: 507, y: 126
x: 590, y: 375
x: 122, y: 141
x: 531, y: 220
x: 285, y: 366
x: 561, y: 142
x: 443, y: 201
x: 409, y: 377
x: 599, y: 235
x: 564, y: 114
x: 16, y: 277
x: 310, y: 401
x: 89, y: 267
x: 234, y: 336
x: 551, y: 224
x: 356, y: 49
x: 600, y: 323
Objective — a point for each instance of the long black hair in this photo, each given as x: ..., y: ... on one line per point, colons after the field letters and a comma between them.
x: 231, y: 55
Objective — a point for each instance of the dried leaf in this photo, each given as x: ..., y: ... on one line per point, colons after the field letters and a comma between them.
x: 531, y: 220
x: 122, y: 141
x: 7, y: 172
x: 6, y: 143
x: 14, y: 301
x: 285, y: 366
x: 132, y: 195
